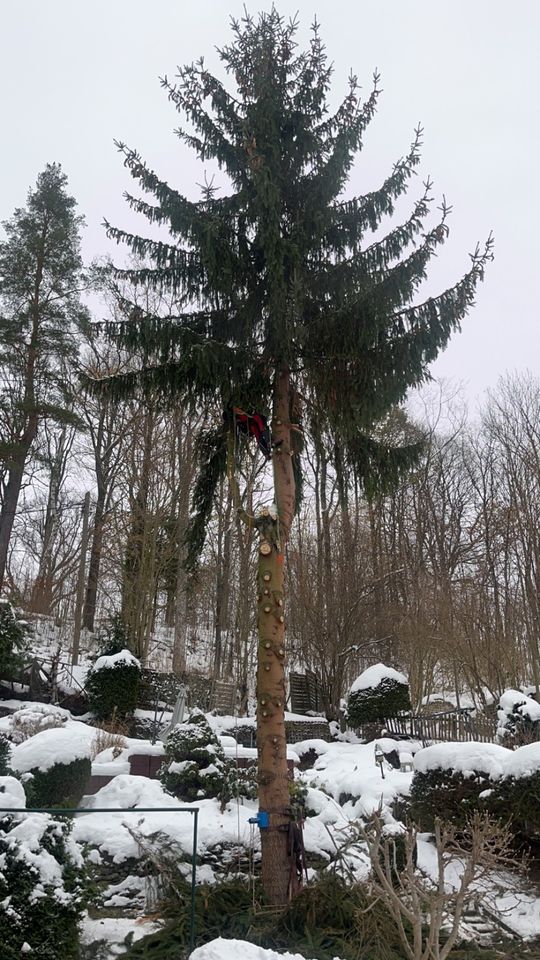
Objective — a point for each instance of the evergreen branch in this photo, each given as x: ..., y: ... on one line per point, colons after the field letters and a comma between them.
x: 211, y: 454
x: 349, y: 122
x: 379, y: 466
x: 151, y: 183
x: 352, y: 217
x: 368, y: 291
x: 213, y: 143
x: 185, y: 262
x: 378, y: 255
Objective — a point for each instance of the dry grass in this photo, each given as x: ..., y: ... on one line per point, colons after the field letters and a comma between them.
x: 110, y: 734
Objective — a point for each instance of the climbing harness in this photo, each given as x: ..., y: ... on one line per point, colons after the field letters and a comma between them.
x: 254, y: 425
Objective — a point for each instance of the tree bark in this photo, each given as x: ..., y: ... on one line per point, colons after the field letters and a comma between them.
x: 271, y: 741
x: 42, y: 592
x: 89, y: 611
x: 9, y: 508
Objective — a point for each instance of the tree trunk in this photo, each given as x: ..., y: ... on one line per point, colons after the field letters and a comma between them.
x: 271, y: 741
x: 89, y: 612
x: 42, y: 593
x: 9, y: 508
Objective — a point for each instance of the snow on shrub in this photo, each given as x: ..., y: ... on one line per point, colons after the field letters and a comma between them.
x: 13, y: 635
x: 112, y: 685
x: 55, y: 765
x: 195, y: 765
x: 5, y: 756
x: 378, y: 693
x: 516, y: 796
x: 29, y: 720
x: 12, y: 794
x: 451, y: 780
x: 41, y: 884
x: 519, y: 718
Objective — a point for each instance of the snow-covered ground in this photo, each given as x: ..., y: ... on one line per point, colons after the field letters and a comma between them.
x: 221, y: 949
x: 344, y: 784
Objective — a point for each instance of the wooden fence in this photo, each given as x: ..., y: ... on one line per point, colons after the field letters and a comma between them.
x: 455, y: 725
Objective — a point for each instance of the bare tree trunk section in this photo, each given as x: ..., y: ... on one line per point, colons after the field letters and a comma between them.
x: 9, y: 509
x: 185, y: 433
x: 271, y: 741
x: 42, y: 593
x: 89, y: 612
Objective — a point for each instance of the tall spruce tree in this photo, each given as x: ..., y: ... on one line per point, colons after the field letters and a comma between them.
x: 40, y: 281
x: 285, y: 302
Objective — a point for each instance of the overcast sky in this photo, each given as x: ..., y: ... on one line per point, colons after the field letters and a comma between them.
x: 74, y: 76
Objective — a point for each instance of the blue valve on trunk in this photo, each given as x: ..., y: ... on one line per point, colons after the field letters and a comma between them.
x: 262, y: 819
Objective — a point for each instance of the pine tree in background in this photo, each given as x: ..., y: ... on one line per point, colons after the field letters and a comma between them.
x: 40, y: 280
x: 285, y: 303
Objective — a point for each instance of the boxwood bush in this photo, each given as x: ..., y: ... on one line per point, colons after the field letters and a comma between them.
x: 378, y: 693
x: 41, y: 889
x: 447, y: 795
x: 194, y: 764
x: 452, y: 780
x: 516, y: 795
x: 112, y: 685
x: 5, y: 755
x: 13, y: 639
x: 62, y: 785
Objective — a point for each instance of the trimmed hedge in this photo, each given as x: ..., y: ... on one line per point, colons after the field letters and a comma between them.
x: 5, y: 755
x: 446, y: 795
x: 62, y: 785
x: 194, y: 764
x: 113, y: 690
x: 34, y: 911
x: 376, y: 704
x: 13, y: 638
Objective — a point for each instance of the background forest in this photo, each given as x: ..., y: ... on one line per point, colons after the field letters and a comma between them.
x: 441, y: 577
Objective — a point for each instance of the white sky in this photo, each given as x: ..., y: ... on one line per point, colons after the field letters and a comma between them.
x: 75, y: 75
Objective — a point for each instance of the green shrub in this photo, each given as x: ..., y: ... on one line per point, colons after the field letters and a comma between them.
x: 62, y: 785
x: 41, y: 889
x: 447, y: 795
x: 5, y: 755
x: 115, y: 638
x: 112, y: 685
x: 518, y: 719
x: 372, y: 703
x: 195, y: 765
x: 239, y: 781
x: 13, y: 638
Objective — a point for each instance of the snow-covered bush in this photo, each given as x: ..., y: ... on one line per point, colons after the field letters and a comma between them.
x: 112, y: 685
x: 62, y: 785
x: 5, y: 755
x: 194, y: 766
x: 516, y: 795
x: 378, y: 693
x: 452, y: 780
x: 41, y: 883
x: 54, y: 766
x: 29, y: 720
x: 13, y: 635
x: 519, y: 718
